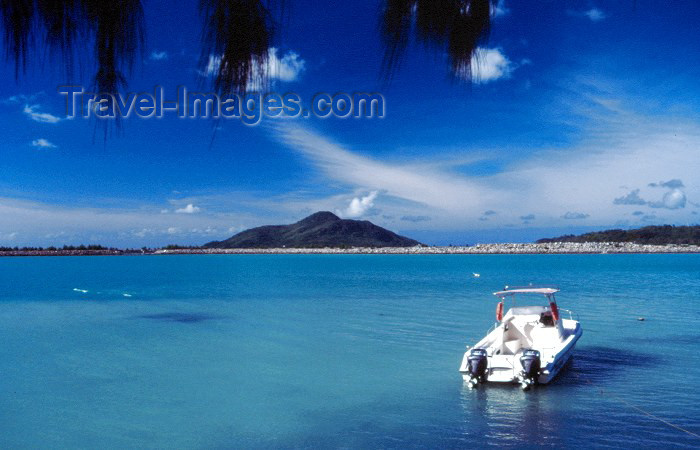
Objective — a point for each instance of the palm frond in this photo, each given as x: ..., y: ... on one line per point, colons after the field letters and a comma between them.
x: 18, y: 21
x: 457, y: 26
x: 237, y: 35
x: 116, y: 28
x: 119, y: 34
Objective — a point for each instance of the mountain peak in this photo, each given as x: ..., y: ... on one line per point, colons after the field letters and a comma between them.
x: 320, y: 217
x: 321, y: 229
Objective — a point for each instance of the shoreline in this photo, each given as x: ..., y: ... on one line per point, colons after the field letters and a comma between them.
x: 555, y: 248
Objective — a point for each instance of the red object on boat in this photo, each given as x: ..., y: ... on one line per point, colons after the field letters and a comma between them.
x: 555, y: 311
x: 499, y: 311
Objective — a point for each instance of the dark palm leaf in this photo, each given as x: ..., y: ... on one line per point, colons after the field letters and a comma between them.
x: 18, y: 21
x: 116, y: 28
x: 456, y: 25
x: 237, y: 35
x: 63, y: 21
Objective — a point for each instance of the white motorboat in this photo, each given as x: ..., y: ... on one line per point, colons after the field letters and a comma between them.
x: 528, y: 345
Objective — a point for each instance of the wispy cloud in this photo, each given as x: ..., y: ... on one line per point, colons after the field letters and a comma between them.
x: 49, y: 224
x: 158, y: 56
x: 575, y: 216
x: 672, y: 184
x: 32, y: 112
x: 43, y: 143
x: 595, y: 14
x: 8, y: 236
x: 427, y: 186
x: 631, y: 198
x: 22, y: 98
x: 582, y: 177
x: 500, y: 9
x: 415, y: 219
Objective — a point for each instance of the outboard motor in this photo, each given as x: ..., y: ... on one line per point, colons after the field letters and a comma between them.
x: 477, y: 365
x: 530, y: 360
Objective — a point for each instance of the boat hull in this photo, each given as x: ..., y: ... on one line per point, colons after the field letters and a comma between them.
x: 550, y: 371
x: 506, y: 368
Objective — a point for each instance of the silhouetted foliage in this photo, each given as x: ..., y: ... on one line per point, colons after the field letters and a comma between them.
x: 455, y: 26
x: 115, y: 27
x: 178, y: 247
x: 82, y: 247
x: 236, y: 36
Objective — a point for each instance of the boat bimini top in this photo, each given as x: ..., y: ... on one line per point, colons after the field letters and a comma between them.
x: 510, y: 292
x: 548, y: 291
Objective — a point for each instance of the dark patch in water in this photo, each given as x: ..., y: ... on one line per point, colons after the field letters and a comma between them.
x: 596, y: 364
x: 178, y: 317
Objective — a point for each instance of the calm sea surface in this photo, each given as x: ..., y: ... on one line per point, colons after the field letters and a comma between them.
x: 336, y: 351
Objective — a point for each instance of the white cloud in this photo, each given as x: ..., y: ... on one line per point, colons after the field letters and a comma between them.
x: 595, y: 14
x: 158, y: 56
x: 189, y: 209
x: 415, y: 219
x: 32, y: 113
x: 673, y: 199
x: 287, y: 68
x: 490, y: 64
x: 43, y: 143
x: 359, y: 206
x: 173, y: 230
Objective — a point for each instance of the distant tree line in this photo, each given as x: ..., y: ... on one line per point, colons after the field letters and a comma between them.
x: 654, y: 234
x: 54, y: 249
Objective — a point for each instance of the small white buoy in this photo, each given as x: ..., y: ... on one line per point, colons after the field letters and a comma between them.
x: 476, y: 275
x: 126, y: 295
x: 84, y: 291
x: 641, y: 319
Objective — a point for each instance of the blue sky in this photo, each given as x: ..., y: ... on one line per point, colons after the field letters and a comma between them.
x: 584, y: 116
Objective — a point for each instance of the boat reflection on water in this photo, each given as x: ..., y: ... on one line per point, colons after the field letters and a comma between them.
x: 506, y: 416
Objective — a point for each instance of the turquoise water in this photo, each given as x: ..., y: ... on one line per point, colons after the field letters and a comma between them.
x: 335, y: 351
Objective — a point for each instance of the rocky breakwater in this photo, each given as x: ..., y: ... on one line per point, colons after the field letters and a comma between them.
x: 544, y: 248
